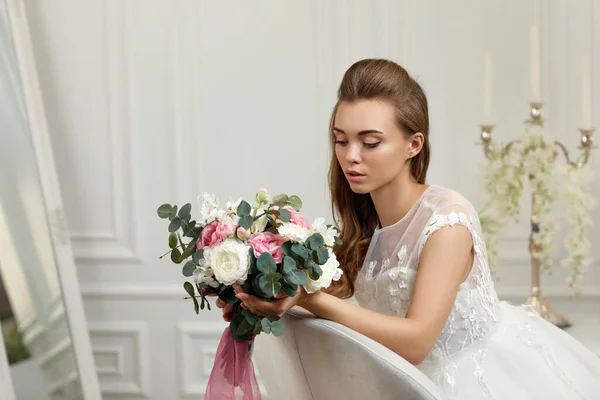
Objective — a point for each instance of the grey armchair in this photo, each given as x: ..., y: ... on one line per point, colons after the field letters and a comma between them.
x: 322, y: 360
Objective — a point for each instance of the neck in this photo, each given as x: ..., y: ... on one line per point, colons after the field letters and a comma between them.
x: 394, y: 200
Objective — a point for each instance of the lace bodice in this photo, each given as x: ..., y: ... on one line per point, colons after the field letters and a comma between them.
x: 386, y: 281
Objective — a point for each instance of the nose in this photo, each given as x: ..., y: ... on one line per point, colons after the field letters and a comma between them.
x: 353, y: 154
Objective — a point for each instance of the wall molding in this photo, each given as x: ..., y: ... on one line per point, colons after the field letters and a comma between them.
x: 137, y: 331
x: 121, y: 243
x: 115, y: 351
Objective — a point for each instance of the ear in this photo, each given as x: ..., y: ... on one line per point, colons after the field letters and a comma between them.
x: 415, y: 144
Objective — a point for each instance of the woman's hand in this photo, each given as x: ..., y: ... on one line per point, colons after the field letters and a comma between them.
x: 263, y: 307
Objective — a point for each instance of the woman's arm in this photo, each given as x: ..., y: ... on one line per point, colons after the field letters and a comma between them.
x: 445, y: 262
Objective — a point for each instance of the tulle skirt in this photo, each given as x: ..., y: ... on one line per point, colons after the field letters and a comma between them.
x: 523, y: 357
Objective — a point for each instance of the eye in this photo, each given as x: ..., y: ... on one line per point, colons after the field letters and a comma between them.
x: 341, y: 142
x: 371, y: 145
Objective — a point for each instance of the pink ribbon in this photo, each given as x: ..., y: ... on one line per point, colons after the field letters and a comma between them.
x: 232, y: 376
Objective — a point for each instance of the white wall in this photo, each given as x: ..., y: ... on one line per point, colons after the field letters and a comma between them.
x: 154, y: 101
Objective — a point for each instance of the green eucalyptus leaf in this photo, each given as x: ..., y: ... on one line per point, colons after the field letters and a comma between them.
x: 253, y: 269
x: 257, y: 289
x: 251, y: 318
x: 285, y: 215
x: 300, y: 251
x: 338, y: 241
x: 266, y: 263
x: 287, y: 248
x: 234, y: 324
x: 246, y: 221
x: 189, y: 268
x: 190, y: 230
x: 175, y: 256
x: 321, y: 255
x: 315, y: 241
x: 266, y: 325
x: 198, y: 255
x: 164, y: 211
x: 295, y: 202
x: 189, y: 251
x: 272, y: 318
x: 257, y: 328
x: 280, y: 199
x: 297, y: 277
x: 315, y: 273
x: 270, y: 283
x: 277, y: 328
x: 185, y: 211
x: 244, y: 328
x: 189, y: 288
x: 172, y: 240
x: 244, y: 209
x: 173, y: 213
x: 196, y: 305
x: 175, y: 224
x: 289, y: 289
x: 289, y: 264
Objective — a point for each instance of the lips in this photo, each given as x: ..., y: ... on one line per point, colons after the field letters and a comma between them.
x: 354, y: 173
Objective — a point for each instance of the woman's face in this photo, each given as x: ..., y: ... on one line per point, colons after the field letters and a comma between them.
x: 371, y: 149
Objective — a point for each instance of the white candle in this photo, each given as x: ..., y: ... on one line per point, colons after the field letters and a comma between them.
x: 586, y: 92
x: 535, y: 64
x: 487, y: 98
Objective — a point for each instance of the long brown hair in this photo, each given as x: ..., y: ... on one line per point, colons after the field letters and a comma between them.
x: 355, y: 213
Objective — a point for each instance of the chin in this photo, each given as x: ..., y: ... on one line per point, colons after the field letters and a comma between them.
x: 359, y: 189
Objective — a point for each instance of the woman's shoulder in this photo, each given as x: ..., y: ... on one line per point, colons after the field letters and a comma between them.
x: 442, y: 199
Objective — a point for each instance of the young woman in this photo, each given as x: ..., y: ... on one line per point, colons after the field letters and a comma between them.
x: 414, y: 258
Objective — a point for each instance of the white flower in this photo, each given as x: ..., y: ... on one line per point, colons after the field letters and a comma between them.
x: 209, y: 208
x: 329, y: 234
x: 331, y: 272
x: 232, y: 205
x: 293, y: 232
x: 229, y: 261
x: 204, y: 275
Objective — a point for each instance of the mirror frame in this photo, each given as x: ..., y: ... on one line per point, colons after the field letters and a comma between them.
x: 50, y: 188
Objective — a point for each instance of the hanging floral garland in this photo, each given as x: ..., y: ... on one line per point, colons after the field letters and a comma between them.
x: 533, y: 159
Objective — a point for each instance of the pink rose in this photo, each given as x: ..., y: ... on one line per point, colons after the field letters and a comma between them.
x: 267, y: 242
x: 297, y: 219
x: 213, y: 234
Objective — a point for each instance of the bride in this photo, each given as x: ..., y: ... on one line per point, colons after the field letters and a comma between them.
x: 414, y: 258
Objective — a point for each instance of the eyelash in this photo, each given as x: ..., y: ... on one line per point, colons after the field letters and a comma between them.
x: 368, y: 145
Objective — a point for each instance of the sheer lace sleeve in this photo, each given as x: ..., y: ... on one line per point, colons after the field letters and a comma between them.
x: 455, y: 212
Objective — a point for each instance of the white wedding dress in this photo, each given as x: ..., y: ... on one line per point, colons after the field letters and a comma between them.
x: 488, y: 349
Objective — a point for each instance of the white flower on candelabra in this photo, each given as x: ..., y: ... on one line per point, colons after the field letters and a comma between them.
x: 533, y: 158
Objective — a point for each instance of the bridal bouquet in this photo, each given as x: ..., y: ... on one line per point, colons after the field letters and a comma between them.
x: 267, y: 248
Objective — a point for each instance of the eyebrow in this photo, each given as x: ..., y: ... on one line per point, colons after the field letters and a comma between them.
x: 365, y: 132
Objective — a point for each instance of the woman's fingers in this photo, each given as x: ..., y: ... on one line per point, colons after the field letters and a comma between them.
x: 220, y: 303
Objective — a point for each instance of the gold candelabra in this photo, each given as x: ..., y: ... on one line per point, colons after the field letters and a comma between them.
x: 535, y: 299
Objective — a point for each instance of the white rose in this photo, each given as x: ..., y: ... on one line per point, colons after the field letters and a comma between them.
x: 293, y: 232
x: 328, y: 234
x: 209, y: 208
x: 229, y: 261
x: 331, y: 272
